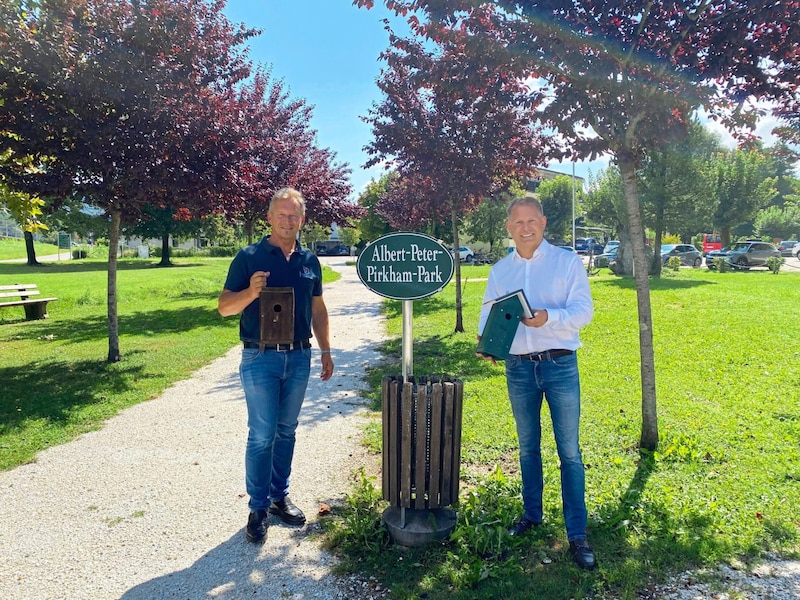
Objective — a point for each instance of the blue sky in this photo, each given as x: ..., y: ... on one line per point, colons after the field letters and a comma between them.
x: 326, y: 51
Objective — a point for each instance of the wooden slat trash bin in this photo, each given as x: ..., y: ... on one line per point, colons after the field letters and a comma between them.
x: 421, y: 454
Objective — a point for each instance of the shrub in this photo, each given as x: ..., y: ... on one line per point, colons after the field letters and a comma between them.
x: 674, y: 263
x: 213, y: 251
x: 774, y: 263
x: 222, y: 250
x: 723, y: 266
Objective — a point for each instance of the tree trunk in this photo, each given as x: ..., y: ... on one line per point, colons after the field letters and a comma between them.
x: 457, y: 259
x: 649, y: 439
x: 250, y: 228
x: 725, y: 235
x: 30, y: 251
x: 113, y: 324
x: 655, y: 267
x: 165, y: 262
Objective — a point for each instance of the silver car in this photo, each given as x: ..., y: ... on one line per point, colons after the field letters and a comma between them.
x: 744, y: 254
x: 785, y: 247
x: 688, y: 254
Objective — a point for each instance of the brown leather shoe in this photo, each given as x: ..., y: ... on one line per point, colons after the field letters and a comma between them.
x: 287, y: 512
x: 582, y: 553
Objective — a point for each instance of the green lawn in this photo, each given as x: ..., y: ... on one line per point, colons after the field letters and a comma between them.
x: 724, y: 484
x: 11, y: 248
x: 56, y: 382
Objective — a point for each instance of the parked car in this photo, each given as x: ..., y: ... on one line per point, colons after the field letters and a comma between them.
x: 465, y: 254
x: 786, y: 246
x: 610, y: 245
x: 588, y: 245
x: 743, y: 254
x: 604, y: 259
x: 688, y: 254
x: 340, y: 250
x: 796, y: 250
x: 337, y: 250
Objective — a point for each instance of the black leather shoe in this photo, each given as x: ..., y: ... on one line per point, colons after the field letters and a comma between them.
x: 522, y: 526
x: 287, y: 512
x: 256, y: 530
x: 582, y: 553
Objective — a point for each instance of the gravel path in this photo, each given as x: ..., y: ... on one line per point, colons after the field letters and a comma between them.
x: 153, y: 505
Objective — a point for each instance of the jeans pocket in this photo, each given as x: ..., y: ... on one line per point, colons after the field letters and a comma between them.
x: 250, y: 354
x: 566, y: 361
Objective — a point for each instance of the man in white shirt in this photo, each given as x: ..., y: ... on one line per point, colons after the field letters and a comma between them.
x: 542, y: 364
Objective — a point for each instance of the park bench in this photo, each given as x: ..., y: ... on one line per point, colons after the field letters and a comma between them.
x: 35, y: 308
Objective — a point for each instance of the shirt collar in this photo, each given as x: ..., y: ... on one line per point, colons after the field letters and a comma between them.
x: 273, y: 248
x: 543, y: 249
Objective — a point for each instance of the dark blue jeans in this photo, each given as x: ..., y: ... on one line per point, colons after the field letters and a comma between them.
x: 274, y: 385
x: 558, y: 382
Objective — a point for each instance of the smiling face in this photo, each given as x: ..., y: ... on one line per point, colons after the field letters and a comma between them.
x: 286, y: 217
x: 526, y: 225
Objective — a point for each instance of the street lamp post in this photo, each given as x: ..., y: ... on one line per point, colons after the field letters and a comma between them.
x: 573, y: 203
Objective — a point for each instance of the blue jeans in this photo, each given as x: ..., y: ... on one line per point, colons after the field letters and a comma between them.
x: 558, y: 381
x: 274, y: 385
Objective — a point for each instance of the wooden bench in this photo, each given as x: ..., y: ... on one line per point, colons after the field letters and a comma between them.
x: 35, y: 308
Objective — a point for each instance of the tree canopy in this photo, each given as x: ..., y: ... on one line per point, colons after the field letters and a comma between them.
x: 626, y: 77
x: 451, y: 131
x: 277, y: 148
x: 148, y: 106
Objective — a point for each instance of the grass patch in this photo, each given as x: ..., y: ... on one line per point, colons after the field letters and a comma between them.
x: 11, y: 248
x: 56, y: 382
x: 724, y: 484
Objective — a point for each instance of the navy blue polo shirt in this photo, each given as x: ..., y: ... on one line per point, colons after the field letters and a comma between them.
x: 301, y: 272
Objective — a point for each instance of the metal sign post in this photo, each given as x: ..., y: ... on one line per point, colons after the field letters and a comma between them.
x: 408, y: 339
x: 407, y: 267
x: 421, y: 416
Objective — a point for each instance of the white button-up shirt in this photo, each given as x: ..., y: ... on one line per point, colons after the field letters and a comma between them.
x: 553, y: 279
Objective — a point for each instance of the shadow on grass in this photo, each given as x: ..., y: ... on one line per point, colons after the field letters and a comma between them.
x: 540, y: 565
x: 23, y: 270
x: 656, y: 283
x: 451, y: 355
x: 52, y: 390
x: 95, y: 327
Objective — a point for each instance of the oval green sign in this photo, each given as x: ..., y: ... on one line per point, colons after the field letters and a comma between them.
x: 405, y: 266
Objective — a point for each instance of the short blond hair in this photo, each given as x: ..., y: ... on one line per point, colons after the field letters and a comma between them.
x: 291, y: 194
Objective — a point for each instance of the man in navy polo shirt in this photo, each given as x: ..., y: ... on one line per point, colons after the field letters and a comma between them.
x: 275, y: 377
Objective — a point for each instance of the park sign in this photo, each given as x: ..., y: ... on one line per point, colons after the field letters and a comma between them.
x: 405, y: 266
